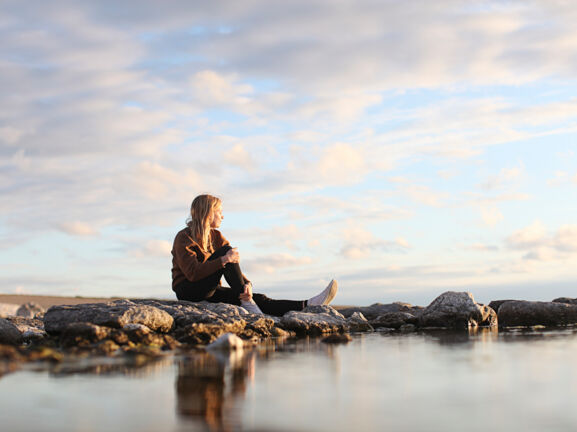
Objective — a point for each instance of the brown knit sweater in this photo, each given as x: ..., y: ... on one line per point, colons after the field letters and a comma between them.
x: 189, y: 261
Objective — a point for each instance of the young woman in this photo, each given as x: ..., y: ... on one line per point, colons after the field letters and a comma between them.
x: 201, y: 256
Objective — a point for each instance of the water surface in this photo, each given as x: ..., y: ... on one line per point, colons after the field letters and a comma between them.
x: 518, y: 380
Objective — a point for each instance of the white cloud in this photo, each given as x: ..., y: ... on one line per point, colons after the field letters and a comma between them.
x: 153, y: 248
x: 505, y: 177
x: 270, y: 264
x: 77, y: 228
x: 361, y: 243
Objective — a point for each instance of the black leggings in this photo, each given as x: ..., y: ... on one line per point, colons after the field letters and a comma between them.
x: 209, y: 289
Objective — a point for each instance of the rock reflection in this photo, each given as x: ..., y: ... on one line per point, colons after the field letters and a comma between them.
x: 210, y: 388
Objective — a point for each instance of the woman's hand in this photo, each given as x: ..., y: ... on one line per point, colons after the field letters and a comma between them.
x: 247, y: 294
x: 231, y: 256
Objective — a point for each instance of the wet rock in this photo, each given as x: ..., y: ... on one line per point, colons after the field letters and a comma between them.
x: 496, y: 304
x: 314, y: 322
x: 9, y: 333
x: 358, y: 323
x: 567, y: 300
x: 112, y: 314
x: 457, y: 310
x: 373, y: 311
x: 407, y: 328
x: 29, y: 310
x: 394, y: 320
x: 531, y: 313
x: 227, y: 342
x: 337, y: 339
x: 83, y: 334
x: 9, y: 353
x: 200, y: 333
x: 31, y: 329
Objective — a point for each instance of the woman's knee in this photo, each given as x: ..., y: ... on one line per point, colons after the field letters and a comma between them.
x: 220, y: 252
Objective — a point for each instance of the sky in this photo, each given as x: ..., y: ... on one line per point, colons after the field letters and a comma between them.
x: 404, y: 148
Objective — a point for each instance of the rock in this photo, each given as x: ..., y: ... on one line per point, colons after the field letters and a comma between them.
x: 373, y: 311
x: 112, y: 314
x: 496, y: 304
x: 337, y: 339
x: 199, y: 333
x: 358, y: 323
x: 9, y: 333
x: 31, y: 329
x: 565, y: 300
x: 457, y: 310
x: 83, y: 334
x: 407, y: 328
x: 185, y: 313
x: 29, y: 310
x: 227, y: 342
x: 394, y: 320
x: 314, y: 323
x: 531, y: 313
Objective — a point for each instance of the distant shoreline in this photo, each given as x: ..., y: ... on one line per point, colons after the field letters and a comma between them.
x: 46, y: 300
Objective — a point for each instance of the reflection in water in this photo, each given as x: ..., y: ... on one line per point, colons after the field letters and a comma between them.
x: 210, y: 387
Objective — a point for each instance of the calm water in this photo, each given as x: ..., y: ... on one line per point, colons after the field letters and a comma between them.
x: 419, y: 382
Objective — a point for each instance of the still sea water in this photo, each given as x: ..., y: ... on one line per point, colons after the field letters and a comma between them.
x: 440, y: 381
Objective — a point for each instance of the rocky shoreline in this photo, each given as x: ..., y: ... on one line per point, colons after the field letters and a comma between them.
x: 141, y: 327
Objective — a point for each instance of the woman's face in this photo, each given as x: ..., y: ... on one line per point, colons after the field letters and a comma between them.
x: 216, y: 217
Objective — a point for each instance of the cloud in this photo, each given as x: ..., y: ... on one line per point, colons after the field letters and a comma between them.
x: 505, y: 177
x: 540, y: 245
x: 360, y: 243
x: 153, y: 248
x: 78, y: 228
x: 273, y: 263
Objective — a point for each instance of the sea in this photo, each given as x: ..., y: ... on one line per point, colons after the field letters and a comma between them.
x: 476, y: 380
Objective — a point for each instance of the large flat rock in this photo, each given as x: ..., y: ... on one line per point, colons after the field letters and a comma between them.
x: 521, y: 313
x: 115, y: 314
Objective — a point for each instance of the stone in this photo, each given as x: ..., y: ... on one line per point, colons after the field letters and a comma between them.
x: 373, y: 311
x: 358, y: 323
x: 112, y: 314
x: 496, y: 304
x: 29, y: 310
x: 337, y: 339
x: 313, y: 322
x: 185, y: 313
x: 31, y: 329
x: 530, y: 313
x: 9, y: 333
x: 227, y: 342
x: 83, y: 334
x: 457, y: 310
x: 394, y: 320
x: 567, y: 300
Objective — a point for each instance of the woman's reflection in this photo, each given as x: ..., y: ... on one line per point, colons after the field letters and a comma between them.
x: 210, y: 387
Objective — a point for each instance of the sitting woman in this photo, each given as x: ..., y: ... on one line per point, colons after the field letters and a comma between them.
x: 201, y: 256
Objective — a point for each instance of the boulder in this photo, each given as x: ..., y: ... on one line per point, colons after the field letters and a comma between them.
x: 31, y: 329
x: 9, y: 333
x: 185, y: 313
x: 531, y: 313
x: 567, y: 300
x: 394, y: 320
x: 373, y: 311
x: 112, y: 314
x: 358, y: 323
x: 496, y: 304
x: 29, y: 310
x: 315, y: 320
x: 457, y: 310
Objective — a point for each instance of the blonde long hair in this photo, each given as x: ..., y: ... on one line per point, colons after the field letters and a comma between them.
x: 199, y: 223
